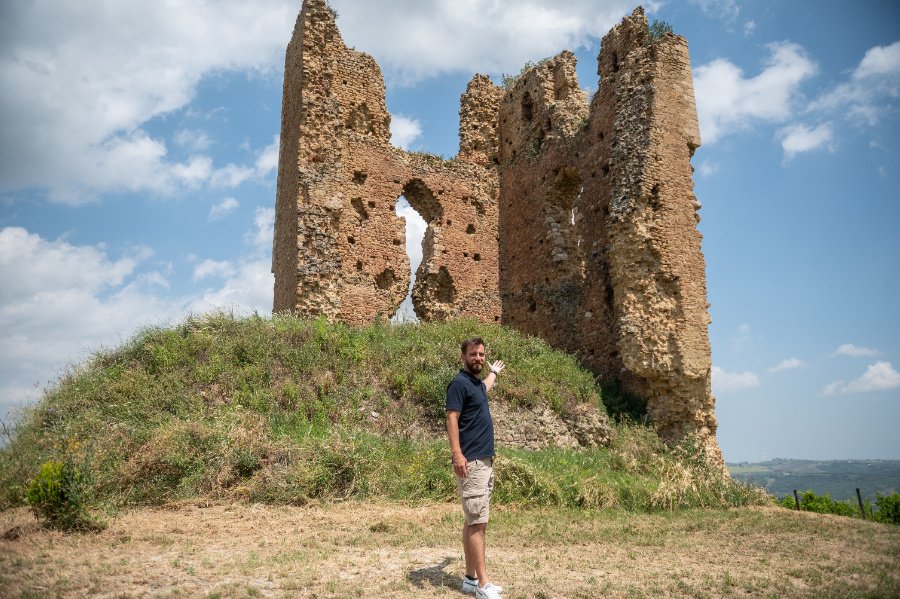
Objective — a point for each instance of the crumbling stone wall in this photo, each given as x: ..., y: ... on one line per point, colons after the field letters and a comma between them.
x: 340, y: 248
x: 569, y: 219
x: 599, y: 248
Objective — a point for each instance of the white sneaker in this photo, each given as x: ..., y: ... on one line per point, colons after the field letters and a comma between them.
x: 488, y: 591
x: 469, y: 586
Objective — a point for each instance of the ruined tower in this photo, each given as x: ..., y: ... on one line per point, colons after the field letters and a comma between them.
x: 563, y: 217
x: 340, y: 248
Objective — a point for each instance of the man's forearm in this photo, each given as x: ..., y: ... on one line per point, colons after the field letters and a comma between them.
x: 453, y: 432
x: 489, y: 381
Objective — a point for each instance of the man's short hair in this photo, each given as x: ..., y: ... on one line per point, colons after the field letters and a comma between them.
x: 473, y: 341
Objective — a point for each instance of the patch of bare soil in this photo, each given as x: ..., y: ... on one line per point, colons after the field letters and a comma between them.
x: 356, y: 549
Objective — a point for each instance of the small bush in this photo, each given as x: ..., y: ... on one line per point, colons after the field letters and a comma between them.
x: 57, y: 499
x: 821, y: 504
x: 888, y: 508
x: 656, y: 30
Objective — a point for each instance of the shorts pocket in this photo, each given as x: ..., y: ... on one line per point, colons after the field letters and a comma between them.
x: 474, y: 506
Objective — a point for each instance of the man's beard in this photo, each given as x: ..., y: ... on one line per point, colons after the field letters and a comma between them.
x: 474, y: 367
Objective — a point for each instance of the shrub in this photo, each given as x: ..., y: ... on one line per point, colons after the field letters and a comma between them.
x: 888, y: 508
x: 57, y: 499
x: 656, y: 30
x: 821, y: 504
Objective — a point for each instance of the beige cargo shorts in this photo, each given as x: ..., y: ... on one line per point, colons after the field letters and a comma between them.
x: 475, y: 490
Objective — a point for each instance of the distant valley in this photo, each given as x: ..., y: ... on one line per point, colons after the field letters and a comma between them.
x: 840, y: 478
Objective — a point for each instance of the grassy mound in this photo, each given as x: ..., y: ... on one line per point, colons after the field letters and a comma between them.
x: 285, y: 410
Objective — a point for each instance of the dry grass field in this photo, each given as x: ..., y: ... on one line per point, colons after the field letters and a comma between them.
x: 374, y: 549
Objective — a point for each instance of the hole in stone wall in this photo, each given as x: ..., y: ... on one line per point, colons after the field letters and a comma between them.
x: 359, y: 265
x: 386, y: 278
x: 527, y: 108
x: 615, y: 62
x: 357, y: 204
x: 444, y: 289
x: 351, y: 240
x: 359, y: 177
x: 477, y: 257
x: 415, y: 234
x: 470, y: 229
x: 371, y: 204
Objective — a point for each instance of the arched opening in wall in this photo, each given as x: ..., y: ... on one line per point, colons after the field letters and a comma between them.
x: 415, y: 235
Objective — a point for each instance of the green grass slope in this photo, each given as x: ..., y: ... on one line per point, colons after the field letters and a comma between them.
x: 284, y: 410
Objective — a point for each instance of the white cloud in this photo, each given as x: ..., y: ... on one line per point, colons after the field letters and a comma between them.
x: 708, y: 169
x: 727, y: 101
x: 195, y: 171
x: 787, y: 364
x: 742, y: 339
x: 415, y: 231
x: 212, y: 268
x: 30, y: 264
x: 250, y: 284
x: 233, y: 175
x: 223, y: 209
x: 879, y: 61
x: 267, y: 160
x: 417, y: 40
x: 880, y: 376
x: 872, y: 89
x: 727, y: 10
x: 194, y: 140
x: 81, y: 80
x: 800, y: 138
x: 263, y: 231
x: 848, y: 349
x: 749, y: 28
x: 728, y: 382
x: 404, y: 130
x: 250, y: 287
x: 60, y: 301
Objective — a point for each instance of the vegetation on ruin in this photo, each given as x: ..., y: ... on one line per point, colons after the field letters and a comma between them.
x: 284, y: 410
x: 657, y: 30
x: 435, y: 158
x: 509, y: 81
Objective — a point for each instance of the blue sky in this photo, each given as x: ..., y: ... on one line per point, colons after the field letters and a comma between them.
x: 139, y: 143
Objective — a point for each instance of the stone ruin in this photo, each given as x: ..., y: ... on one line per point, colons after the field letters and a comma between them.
x: 568, y: 218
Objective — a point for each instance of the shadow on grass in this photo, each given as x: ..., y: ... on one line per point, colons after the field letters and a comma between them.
x: 435, y: 576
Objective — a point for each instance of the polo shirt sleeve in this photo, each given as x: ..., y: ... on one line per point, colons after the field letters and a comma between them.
x: 456, y: 394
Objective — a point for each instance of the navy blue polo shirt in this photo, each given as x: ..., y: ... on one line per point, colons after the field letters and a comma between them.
x: 467, y: 395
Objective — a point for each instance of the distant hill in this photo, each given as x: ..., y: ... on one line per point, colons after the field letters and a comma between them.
x: 840, y: 478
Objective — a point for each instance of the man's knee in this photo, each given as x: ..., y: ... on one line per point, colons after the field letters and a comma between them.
x: 476, y: 528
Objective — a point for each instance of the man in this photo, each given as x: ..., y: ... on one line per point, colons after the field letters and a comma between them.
x: 471, y: 433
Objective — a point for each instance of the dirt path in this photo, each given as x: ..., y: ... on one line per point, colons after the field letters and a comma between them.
x: 389, y: 550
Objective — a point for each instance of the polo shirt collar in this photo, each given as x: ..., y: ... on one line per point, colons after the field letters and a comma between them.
x: 471, y: 376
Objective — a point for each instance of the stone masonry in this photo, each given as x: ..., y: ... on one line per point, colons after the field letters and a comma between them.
x: 563, y: 217
x: 340, y: 248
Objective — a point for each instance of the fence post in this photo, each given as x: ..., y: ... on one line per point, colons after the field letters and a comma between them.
x: 862, y: 510
x: 797, y: 499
